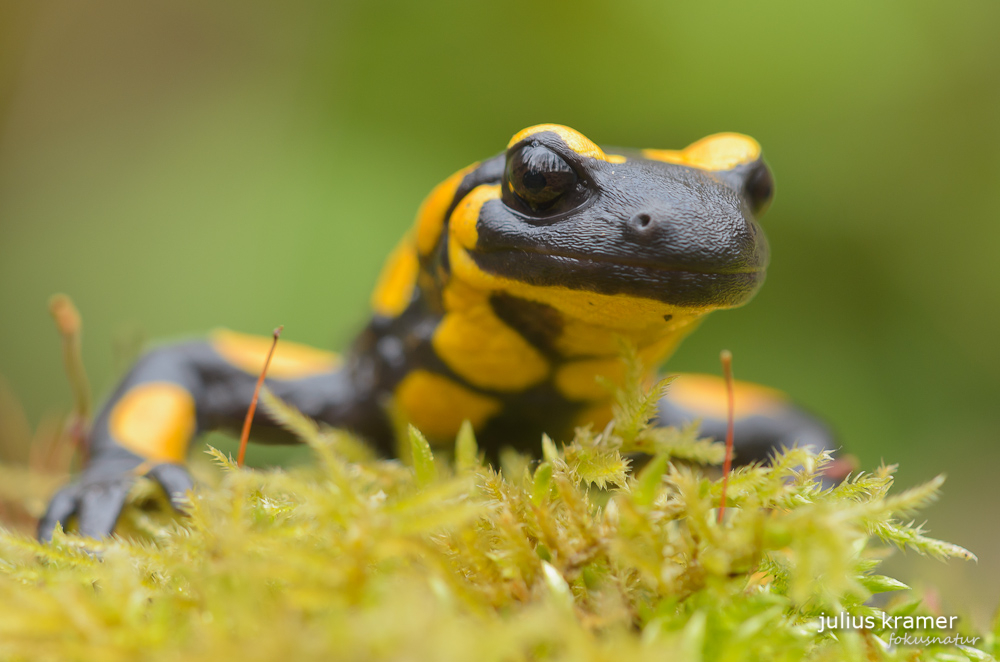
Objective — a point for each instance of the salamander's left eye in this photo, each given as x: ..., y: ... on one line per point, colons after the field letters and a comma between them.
x: 539, y: 176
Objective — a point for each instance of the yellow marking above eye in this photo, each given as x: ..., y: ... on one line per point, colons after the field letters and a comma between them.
x: 705, y: 395
x: 721, y: 151
x: 394, y: 289
x: 155, y: 421
x: 575, y: 140
x: 437, y: 405
x: 290, y: 361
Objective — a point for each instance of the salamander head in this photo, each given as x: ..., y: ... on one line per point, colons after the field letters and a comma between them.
x: 676, y: 228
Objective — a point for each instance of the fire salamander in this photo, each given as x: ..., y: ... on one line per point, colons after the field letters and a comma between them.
x: 503, y: 304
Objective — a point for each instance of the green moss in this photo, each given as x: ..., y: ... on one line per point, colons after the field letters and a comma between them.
x: 571, y: 558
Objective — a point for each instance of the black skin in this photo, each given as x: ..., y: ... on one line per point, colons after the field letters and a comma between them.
x: 642, y: 228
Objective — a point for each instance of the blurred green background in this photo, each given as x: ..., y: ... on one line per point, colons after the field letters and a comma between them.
x: 177, y: 165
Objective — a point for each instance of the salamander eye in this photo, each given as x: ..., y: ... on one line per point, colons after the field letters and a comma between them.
x: 539, y: 176
x: 759, y: 188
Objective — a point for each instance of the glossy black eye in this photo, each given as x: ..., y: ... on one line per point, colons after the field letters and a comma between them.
x: 539, y: 176
x: 759, y: 188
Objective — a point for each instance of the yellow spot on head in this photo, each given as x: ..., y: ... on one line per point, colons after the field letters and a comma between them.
x: 290, y: 361
x: 722, y: 151
x: 155, y: 421
x: 437, y: 405
x: 430, y: 217
x: 394, y: 289
x: 575, y: 140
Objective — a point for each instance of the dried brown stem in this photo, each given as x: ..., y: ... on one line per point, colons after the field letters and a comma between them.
x: 245, y: 436
x: 726, y: 357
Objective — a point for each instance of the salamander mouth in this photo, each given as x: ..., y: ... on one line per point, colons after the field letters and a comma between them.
x: 624, y: 261
x: 678, y: 285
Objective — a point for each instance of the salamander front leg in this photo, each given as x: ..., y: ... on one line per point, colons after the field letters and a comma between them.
x: 144, y: 429
x: 176, y: 392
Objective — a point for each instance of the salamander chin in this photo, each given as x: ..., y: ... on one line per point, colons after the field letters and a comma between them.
x: 670, y: 284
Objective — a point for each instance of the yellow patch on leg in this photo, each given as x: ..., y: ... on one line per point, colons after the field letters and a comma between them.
x: 705, y: 396
x: 437, y: 405
x: 155, y: 421
x: 291, y: 360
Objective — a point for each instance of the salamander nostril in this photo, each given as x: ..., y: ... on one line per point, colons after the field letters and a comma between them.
x: 641, y: 225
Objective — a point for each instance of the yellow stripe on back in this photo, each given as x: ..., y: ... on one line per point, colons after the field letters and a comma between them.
x: 430, y: 217
x: 394, y: 289
x: 155, y: 421
x: 291, y: 360
x: 721, y: 151
x: 437, y: 405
